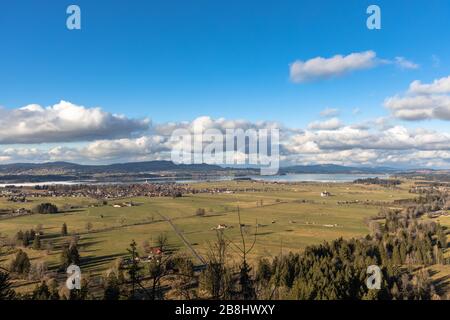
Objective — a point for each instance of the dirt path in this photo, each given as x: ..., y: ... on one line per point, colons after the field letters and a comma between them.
x: 183, y: 238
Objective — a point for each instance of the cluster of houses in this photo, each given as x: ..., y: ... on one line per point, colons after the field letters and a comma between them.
x: 116, y: 191
x: 155, y: 255
x: 124, y: 205
x: 424, y: 188
x: 9, y: 213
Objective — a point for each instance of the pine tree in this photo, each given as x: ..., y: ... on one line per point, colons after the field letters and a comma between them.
x: 246, y: 283
x: 134, y: 268
x: 112, y: 288
x: 69, y: 255
x: 441, y: 238
x: 6, y: 293
x: 403, y: 252
x: 19, y: 237
x: 41, y: 292
x: 74, y: 255
x: 396, y: 257
x: 37, y: 243
x: 21, y: 263
x: 65, y: 258
x: 26, y: 239
x: 64, y: 230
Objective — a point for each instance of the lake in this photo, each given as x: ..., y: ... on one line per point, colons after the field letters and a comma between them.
x: 301, y: 177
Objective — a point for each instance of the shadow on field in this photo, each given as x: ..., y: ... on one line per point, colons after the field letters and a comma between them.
x: 443, y: 284
x: 264, y: 233
x: 95, y: 261
x: 84, y: 245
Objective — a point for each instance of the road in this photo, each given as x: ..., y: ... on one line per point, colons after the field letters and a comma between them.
x: 182, y: 237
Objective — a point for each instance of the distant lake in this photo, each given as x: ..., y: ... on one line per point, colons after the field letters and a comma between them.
x: 319, y: 177
x: 301, y: 177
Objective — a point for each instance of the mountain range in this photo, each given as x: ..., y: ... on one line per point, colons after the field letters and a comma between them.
x: 164, y: 166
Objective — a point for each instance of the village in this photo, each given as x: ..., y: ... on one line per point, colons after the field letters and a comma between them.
x: 103, y: 192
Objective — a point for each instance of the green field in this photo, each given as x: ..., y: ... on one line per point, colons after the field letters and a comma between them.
x: 289, y: 218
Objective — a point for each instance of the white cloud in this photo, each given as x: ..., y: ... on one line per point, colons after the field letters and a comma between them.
x: 422, y: 101
x: 329, y: 112
x: 403, y: 63
x: 142, y: 147
x: 63, y: 122
x: 331, y: 124
x: 322, y: 68
x: 438, y: 86
x: 374, y: 143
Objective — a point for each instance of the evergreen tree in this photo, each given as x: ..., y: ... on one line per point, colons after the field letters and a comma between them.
x: 396, y: 257
x: 134, y: 268
x: 246, y: 283
x: 64, y: 230
x: 41, y: 292
x: 74, y: 254
x: 403, y: 252
x: 6, y: 292
x: 46, y: 208
x: 441, y: 238
x: 26, y: 239
x: 69, y: 255
x: 111, y: 288
x: 37, y: 243
x: 21, y: 263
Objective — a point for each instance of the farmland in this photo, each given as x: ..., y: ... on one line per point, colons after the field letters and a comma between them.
x: 285, y: 217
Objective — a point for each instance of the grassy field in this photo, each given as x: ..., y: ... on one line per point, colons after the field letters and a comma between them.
x: 289, y: 217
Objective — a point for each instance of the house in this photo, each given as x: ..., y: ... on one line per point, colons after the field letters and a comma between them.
x: 157, y: 251
x: 325, y: 194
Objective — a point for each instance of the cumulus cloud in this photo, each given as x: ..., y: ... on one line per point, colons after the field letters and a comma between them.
x: 146, y: 147
x: 422, y: 101
x: 373, y: 143
x: 323, y: 68
x: 330, y: 124
x: 370, y: 146
x: 64, y: 122
x: 206, y: 122
x: 438, y: 86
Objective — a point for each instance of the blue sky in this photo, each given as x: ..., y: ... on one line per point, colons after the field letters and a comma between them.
x: 175, y: 60
x: 178, y: 60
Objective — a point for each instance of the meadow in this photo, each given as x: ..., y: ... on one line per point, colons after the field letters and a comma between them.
x: 285, y: 217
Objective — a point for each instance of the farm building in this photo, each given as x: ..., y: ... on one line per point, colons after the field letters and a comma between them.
x: 325, y: 194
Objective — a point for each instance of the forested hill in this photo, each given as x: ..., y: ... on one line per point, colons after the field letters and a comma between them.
x: 73, y: 168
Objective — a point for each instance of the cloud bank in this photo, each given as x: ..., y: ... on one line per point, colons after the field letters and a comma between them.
x: 64, y: 122
x: 422, y: 101
x: 68, y: 132
x: 368, y: 144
